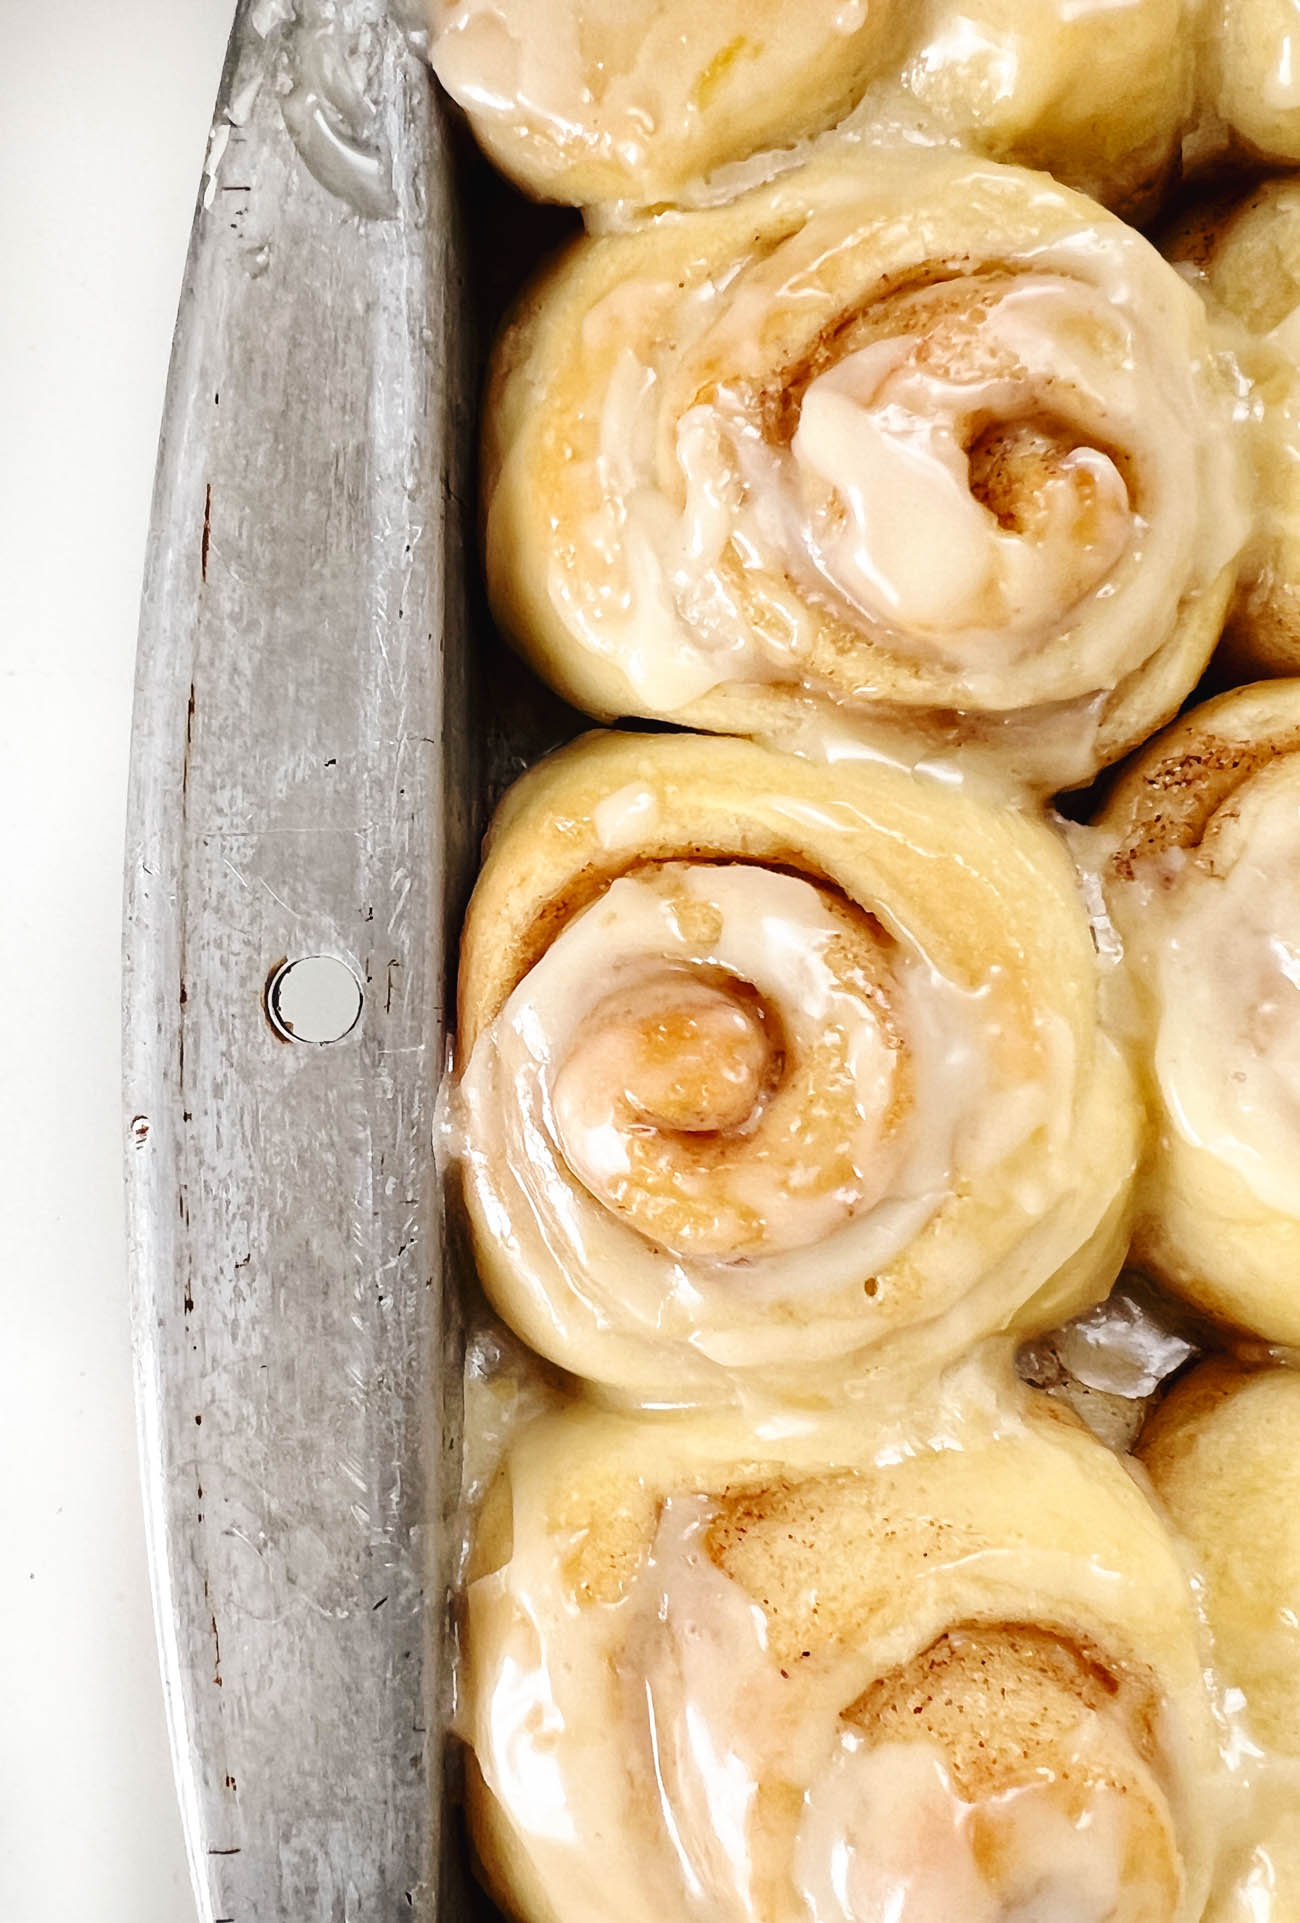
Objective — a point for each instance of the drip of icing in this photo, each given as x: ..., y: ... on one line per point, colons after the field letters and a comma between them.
x: 327, y: 89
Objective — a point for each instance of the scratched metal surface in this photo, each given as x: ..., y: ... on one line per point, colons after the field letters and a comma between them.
x: 301, y: 786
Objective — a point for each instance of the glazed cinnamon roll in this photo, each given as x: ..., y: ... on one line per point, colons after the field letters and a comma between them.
x: 773, y: 1072
x: 588, y: 101
x: 782, y: 1679
x: 1203, y: 879
x: 1224, y: 1454
x: 1244, y: 254
x: 906, y: 441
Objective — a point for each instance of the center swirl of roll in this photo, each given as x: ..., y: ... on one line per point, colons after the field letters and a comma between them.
x: 955, y: 474
x: 728, y: 1076
x: 679, y: 1051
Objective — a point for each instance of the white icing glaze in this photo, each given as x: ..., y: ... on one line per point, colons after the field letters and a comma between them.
x: 915, y: 547
x: 956, y: 40
x: 700, y: 1723
x: 1224, y: 934
x: 886, y: 1839
x: 699, y: 1687
x: 627, y: 817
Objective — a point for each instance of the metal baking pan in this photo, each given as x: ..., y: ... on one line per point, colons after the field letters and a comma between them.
x: 309, y: 777
x: 323, y: 719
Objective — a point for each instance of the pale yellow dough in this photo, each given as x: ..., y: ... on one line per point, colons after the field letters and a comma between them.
x: 717, y: 1673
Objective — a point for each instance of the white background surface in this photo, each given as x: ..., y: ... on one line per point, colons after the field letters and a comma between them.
x: 104, y: 109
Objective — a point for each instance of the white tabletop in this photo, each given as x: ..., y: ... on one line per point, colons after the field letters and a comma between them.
x: 104, y: 109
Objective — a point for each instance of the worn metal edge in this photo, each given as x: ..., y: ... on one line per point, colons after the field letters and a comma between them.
x: 151, y: 964
x: 151, y: 1020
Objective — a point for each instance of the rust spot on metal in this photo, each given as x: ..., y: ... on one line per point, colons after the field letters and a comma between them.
x: 189, y: 743
x: 267, y: 985
x: 139, y: 1130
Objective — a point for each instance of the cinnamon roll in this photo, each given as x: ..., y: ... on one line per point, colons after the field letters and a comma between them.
x: 1244, y: 255
x: 906, y: 441
x: 1224, y: 1454
x: 772, y: 1071
x: 588, y: 101
x: 1203, y: 880
x: 779, y: 1678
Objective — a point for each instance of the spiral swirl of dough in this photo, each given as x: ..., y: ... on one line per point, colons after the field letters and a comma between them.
x: 772, y: 1680
x: 1204, y: 885
x: 906, y: 439
x: 763, y: 1069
